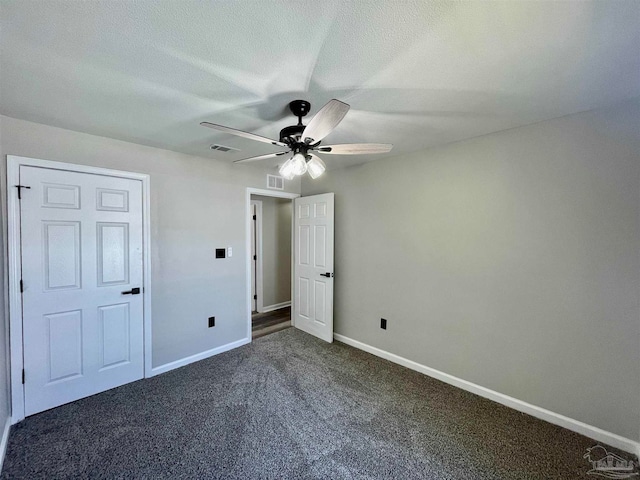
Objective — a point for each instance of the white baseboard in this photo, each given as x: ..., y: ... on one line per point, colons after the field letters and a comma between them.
x: 4, y: 441
x: 276, y: 306
x: 590, y: 431
x: 197, y: 357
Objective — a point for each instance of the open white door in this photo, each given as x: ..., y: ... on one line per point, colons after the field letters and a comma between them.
x: 82, y: 268
x: 313, y: 265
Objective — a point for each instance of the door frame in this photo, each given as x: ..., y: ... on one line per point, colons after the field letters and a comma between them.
x: 14, y: 260
x: 265, y: 193
x: 258, y: 240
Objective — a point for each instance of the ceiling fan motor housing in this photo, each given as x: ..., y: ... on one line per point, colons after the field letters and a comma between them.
x: 293, y: 132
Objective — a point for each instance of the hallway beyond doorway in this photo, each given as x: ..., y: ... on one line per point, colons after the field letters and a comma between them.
x: 265, y: 323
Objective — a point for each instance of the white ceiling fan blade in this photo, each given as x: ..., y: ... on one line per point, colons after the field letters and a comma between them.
x: 325, y: 121
x: 240, y: 133
x: 355, y: 148
x: 260, y: 157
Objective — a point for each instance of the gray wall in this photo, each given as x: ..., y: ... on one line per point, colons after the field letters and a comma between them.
x: 509, y: 260
x: 197, y: 204
x: 276, y: 249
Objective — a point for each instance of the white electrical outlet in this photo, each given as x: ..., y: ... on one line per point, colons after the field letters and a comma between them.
x: 229, y: 252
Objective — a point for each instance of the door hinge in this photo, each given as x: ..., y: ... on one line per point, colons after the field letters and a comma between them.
x: 20, y: 187
x: 23, y: 376
x: 255, y: 257
x: 255, y: 297
x: 255, y: 217
x: 21, y: 286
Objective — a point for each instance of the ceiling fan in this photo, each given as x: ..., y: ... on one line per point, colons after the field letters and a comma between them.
x: 302, y: 141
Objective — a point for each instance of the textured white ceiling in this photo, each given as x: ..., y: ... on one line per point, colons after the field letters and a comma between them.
x: 416, y: 73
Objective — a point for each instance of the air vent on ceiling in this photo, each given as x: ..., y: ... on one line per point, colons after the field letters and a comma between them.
x: 275, y: 182
x: 222, y: 148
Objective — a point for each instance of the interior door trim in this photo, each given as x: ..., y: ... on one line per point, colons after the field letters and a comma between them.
x: 265, y: 193
x: 258, y: 251
x: 13, y: 240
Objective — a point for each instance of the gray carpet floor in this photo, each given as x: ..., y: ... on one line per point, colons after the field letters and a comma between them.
x: 291, y: 406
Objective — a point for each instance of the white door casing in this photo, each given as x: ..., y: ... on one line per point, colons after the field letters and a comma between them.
x: 256, y: 251
x: 265, y: 193
x: 82, y: 247
x: 313, y: 265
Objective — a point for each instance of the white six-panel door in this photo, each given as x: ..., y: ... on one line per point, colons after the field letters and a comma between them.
x: 81, y: 249
x: 313, y: 265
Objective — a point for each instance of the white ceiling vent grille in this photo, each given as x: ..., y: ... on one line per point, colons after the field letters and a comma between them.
x: 275, y: 182
x: 222, y: 148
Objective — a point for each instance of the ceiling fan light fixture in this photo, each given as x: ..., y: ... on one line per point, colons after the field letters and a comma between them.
x: 286, y: 170
x: 299, y: 164
x: 315, y: 167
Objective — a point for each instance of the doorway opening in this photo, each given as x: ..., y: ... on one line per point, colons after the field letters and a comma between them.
x: 270, y: 261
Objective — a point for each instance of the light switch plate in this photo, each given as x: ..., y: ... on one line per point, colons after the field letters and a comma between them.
x: 229, y: 252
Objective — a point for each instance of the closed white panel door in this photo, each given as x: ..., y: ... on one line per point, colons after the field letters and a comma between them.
x: 81, y: 239
x: 313, y: 265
